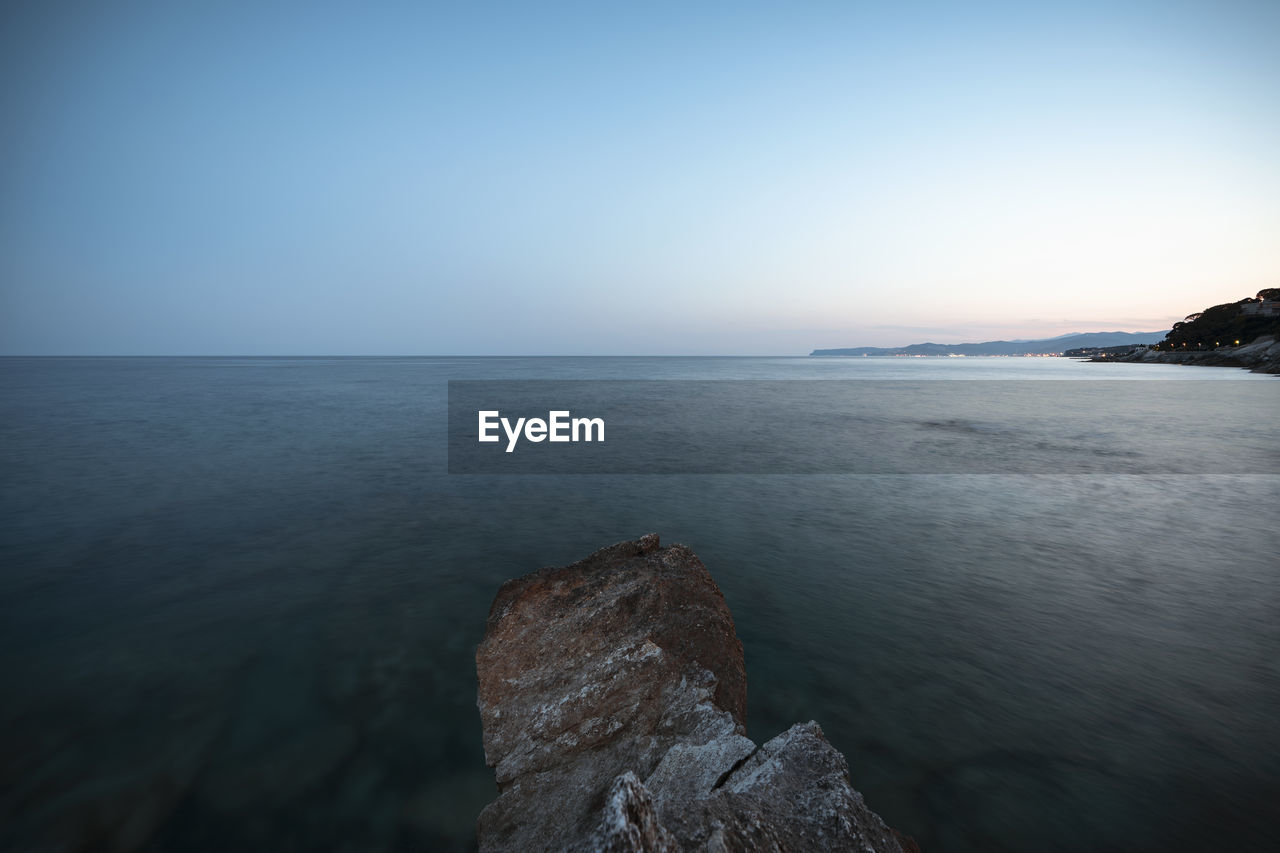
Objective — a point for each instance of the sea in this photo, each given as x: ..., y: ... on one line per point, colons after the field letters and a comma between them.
x: 240, y: 597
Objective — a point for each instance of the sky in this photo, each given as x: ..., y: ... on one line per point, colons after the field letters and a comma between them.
x: 210, y: 178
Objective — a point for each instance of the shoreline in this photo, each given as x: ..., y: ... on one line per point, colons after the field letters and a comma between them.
x: 1261, y: 355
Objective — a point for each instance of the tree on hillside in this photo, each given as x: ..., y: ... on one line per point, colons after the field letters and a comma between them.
x: 1223, y: 325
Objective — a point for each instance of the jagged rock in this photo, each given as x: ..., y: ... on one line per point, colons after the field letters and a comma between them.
x: 630, y: 822
x: 793, y: 793
x: 612, y: 697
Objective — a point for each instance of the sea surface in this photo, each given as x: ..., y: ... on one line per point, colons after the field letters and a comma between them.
x: 240, y: 599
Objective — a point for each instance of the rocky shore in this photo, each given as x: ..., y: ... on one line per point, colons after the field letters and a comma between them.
x: 1260, y: 356
x: 612, y: 696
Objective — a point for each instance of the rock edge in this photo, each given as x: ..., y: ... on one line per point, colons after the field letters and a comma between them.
x: 612, y: 697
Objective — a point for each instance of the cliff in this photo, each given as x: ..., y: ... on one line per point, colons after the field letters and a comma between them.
x: 612, y: 696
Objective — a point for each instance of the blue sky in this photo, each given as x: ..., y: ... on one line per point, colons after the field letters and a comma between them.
x: 413, y: 178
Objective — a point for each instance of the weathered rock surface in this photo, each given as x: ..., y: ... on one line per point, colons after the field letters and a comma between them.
x: 612, y: 696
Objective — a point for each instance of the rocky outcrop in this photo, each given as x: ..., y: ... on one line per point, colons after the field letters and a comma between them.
x: 1260, y: 356
x: 612, y: 696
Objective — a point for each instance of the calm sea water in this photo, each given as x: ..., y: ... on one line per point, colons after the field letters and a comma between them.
x: 239, y: 602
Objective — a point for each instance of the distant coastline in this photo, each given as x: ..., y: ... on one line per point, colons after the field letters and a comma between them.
x: 1042, y: 347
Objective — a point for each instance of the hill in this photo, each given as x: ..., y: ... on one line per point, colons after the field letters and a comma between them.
x: 1231, y: 324
x: 1234, y: 334
x: 1045, y: 346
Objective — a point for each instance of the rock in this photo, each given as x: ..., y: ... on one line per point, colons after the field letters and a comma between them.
x: 630, y: 822
x: 612, y: 698
x: 793, y: 793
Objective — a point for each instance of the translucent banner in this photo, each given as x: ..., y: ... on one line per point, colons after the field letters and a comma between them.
x: 863, y: 427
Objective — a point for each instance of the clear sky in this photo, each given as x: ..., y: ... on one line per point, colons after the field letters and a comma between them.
x: 629, y: 178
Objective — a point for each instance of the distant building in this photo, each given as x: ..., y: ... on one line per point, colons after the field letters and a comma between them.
x: 1269, y: 308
